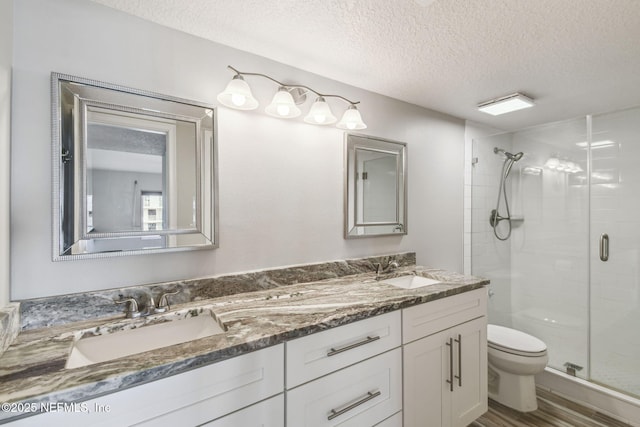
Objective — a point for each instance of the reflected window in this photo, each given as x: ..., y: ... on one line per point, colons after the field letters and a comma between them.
x: 151, y: 210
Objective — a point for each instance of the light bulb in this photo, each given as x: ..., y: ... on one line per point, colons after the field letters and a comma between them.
x: 282, y: 106
x: 552, y: 163
x: 283, y: 110
x: 238, y: 99
x: 351, y: 119
x: 238, y: 95
x: 320, y: 113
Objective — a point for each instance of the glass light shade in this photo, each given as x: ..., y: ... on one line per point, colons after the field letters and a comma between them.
x: 351, y: 119
x: 238, y: 95
x: 283, y: 105
x: 552, y: 163
x: 320, y: 113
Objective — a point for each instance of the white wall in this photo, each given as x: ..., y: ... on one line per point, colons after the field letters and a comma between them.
x: 280, y: 181
x: 6, y: 56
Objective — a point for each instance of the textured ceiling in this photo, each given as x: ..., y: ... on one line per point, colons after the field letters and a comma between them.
x: 574, y: 57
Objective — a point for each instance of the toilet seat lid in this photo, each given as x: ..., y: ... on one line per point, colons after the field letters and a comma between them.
x: 514, y: 340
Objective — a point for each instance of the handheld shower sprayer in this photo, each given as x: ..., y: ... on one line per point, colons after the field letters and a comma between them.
x: 514, y: 157
x: 495, y: 217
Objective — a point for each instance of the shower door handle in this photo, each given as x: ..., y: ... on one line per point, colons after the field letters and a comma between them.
x: 604, y: 247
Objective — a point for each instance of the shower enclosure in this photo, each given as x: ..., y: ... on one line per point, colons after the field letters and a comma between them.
x: 569, y: 272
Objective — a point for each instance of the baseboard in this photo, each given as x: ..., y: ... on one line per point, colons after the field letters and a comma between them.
x: 609, y: 402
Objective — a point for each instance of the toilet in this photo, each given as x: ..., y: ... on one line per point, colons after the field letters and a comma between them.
x: 514, y: 359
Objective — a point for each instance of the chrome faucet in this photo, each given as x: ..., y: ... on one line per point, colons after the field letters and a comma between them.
x: 390, y: 267
x: 132, y: 308
x: 163, y: 303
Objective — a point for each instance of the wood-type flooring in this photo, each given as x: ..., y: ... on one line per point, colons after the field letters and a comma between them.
x: 553, y: 411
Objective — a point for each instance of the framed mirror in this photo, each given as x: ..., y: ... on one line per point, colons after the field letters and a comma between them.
x: 134, y: 172
x: 375, y: 194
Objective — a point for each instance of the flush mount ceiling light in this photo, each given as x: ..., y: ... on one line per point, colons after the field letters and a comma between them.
x: 238, y: 95
x: 506, y: 104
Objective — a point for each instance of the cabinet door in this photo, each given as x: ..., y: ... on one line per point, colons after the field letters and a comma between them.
x: 445, y: 377
x: 470, y: 375
x: 426, y: 391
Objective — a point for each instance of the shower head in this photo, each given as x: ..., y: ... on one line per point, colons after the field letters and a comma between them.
x: 514, y: 157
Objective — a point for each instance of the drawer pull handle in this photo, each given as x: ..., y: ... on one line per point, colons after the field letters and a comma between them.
x: 450, y: 380
x: 459, y: 376
x: 337, y: 412
x: 335, y: 351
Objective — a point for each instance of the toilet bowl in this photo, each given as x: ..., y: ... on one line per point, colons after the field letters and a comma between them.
x: 514, y: 358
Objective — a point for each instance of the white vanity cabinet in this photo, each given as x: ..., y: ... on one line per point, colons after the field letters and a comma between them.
x: 425, y: 365
x: 445, y: 361
x: 347, y: 376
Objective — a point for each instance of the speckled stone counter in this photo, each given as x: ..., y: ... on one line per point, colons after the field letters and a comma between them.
x: 9, y: 325
x: 33, y: 368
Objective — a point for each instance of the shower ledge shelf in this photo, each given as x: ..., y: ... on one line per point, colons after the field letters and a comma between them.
x: 517, y: 220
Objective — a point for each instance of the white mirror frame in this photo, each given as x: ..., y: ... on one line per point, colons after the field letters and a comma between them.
x: 205, y: 233
x: 354, y: 226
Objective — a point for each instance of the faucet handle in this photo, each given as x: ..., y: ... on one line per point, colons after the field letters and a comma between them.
x: 378, y: 267
x: 163, y: 303
x: 131, y: 309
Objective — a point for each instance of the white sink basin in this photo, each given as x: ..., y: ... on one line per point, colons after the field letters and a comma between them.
x: 410, y: 282
x: 87, y: 351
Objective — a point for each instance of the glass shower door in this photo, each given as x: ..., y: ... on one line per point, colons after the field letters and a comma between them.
x: 615, y: 232
x: 539, y: 275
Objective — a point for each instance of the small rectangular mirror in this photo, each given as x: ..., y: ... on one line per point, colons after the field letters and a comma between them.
x: 375, y: 187
x: 133, y: 171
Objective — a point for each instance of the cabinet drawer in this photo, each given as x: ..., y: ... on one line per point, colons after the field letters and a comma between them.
x: 319, y: 354
x: 394, y: 421
x: 269, y: 413
x: 360, y: 395
x: 426, y: 319
x: 210, y: 392
x: 190, y: 398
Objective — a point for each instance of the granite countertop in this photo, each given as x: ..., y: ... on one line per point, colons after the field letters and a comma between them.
x: 33, y: 367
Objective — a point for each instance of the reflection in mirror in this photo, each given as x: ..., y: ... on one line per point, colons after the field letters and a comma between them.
x: 375, y: 187
x: 136, y: 171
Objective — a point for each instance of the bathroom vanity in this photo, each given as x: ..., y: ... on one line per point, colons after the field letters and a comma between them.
x: 320, y: 353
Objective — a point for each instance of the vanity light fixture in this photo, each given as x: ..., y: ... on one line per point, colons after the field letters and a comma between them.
x: 506, y: 104
x: 286, y: 100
